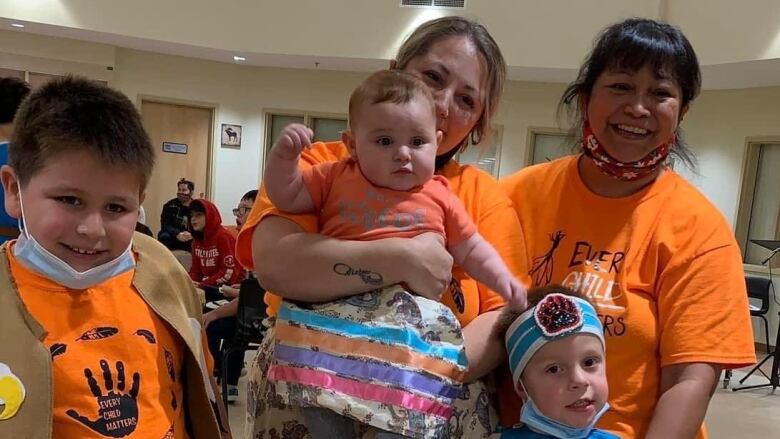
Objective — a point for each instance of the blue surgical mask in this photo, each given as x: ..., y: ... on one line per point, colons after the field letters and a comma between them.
x: 32, y: 255
x: 535, y: 420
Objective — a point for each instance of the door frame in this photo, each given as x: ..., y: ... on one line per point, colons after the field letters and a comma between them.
x: 213, y: 134
x: 530, y: 139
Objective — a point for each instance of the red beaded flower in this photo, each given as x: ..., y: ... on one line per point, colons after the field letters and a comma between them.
x: 558, y: 314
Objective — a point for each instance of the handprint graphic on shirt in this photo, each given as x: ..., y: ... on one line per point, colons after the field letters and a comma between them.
x: 117, y: 411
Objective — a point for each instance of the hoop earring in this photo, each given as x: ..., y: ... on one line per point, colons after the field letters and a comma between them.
x: 476, y: 136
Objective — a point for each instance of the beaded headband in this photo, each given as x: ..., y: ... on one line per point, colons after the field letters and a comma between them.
x: 554, y: 317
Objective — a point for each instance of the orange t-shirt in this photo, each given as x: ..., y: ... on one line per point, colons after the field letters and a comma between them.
x: 662, y: 266
x: 351, y: 207
x: 484, y: 201
x: 115, y: 364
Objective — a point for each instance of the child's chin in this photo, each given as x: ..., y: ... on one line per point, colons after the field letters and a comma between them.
x: 581, y: 418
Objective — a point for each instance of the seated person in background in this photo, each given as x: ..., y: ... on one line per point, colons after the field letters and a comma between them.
x: 213, y: 249
x: 140, y: 225
x: 12, y: 93
x: 558, y: 365
x: 242, y: 211
x: 221, y: 322
x: 174, y: 218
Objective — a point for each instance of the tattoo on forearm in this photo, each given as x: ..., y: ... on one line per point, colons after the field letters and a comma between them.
x: 369, y: 277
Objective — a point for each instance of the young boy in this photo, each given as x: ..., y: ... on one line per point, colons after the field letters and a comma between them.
x: 386, y: 189
x: 556, y: 356
x: 99, y: 328
x: 213, y: 247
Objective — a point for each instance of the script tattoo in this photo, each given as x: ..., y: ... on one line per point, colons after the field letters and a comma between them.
x: 368, y: 277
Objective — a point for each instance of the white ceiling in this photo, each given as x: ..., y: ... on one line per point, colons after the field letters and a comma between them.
x: 745, y: 74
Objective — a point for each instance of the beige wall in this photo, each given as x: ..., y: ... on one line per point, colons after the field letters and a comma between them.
x: 241, y: 94
x: 716, y: 128
x: 55, y: 55
x: 525, y: 105
x: 725, y: 31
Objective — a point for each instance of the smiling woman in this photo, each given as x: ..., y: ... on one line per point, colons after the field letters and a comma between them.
x: 618, y: 225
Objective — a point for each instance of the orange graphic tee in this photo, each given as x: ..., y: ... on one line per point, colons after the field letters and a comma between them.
x: 350, y: 207
x: 662, y: 267
x: 115, y: 364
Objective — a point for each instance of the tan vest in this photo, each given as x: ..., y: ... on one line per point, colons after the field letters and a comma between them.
x: 165, y: 286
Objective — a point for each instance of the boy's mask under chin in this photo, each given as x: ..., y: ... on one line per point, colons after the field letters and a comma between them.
x: 531, y: 416
x: 30, y: 253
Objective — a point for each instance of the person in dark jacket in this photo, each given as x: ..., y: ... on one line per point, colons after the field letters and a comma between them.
x: 174, y: 218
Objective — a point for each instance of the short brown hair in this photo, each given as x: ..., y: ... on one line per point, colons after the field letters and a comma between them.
x: 535, y: 295
x: 388, y: 86
x: 431, y: 32
x: 78, y: 114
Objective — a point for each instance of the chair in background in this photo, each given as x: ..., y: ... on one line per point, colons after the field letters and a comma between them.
x: 758, y: 290
x: 758, y: 295
x: 249, y: 327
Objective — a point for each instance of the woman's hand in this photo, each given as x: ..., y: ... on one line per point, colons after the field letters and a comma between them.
x: 210, y: 317
x: 427, y: 267
x: 231, y: 292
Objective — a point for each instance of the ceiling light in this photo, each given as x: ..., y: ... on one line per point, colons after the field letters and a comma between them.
x: 19, y: 25
x: 237, y: 58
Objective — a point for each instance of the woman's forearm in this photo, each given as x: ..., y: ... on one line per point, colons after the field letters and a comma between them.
x: 229, y: 309
x: 315, y: 268
x: 686, y: 390
x: 484, y: 349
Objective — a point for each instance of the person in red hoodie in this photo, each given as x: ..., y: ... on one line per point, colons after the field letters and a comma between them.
x: 213, y: 247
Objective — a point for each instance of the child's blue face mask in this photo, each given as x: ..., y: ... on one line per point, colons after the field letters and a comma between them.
x: 537, y: 421
x: 34, y: 256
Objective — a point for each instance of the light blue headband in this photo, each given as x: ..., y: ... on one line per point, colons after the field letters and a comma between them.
x: 556, y: 316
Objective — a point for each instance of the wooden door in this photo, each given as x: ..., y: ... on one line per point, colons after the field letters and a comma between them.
x: 176, y: 125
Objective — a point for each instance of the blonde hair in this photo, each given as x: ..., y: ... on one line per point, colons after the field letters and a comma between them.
x: 431, y: 32
x: 393, y: 86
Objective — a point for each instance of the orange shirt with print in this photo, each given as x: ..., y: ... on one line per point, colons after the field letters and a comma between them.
x: 115, y: 363
x: 662, y: 266
x: 351, y: 207
x: 487, y: 206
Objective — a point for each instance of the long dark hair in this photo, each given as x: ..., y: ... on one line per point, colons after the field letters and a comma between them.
x: 631, y: 45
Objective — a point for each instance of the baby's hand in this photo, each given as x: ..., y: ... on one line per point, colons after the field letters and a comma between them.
x: 515, y: 294
x: 292, y: 140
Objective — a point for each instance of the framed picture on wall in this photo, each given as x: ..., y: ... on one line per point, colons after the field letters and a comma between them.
x: 231, y: 136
